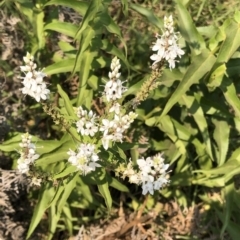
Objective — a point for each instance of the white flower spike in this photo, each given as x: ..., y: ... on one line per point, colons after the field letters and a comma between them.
x: 166, y: 46
x: 33, y: 83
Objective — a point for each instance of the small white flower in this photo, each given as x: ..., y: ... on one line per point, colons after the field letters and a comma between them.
x: 115, y: 108
x: 36, y: 181
x: 160, y: 182
x: 91, y: 129
x: 106, y: 125
x: 105, y: 141
x: 147, y: 187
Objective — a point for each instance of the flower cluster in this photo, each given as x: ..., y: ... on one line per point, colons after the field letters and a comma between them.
x: 109, y: 127
x: 85, y: 159
x: 34, y: 85
x: 86, y: 125
x: 28, y: 154
x: 166, y: 45
x: 113, y: 129
x: 113, y: 123
x: 151, y: 173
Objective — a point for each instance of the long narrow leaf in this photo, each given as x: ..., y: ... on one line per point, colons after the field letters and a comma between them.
x: 44, y: 199
x: 221, y: 137
x: 200, y: 66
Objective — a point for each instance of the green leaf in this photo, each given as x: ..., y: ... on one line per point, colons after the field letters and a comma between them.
x: 84, y: 72
x: 45, y: 197
x: 92, y: 10
x: 196, y: 110
x: 67, y: 102
x: 227, y: 167
x: 78, y: 6
x: 210, y: 182
x: 101, y: 179
x: 56, y: 156
x: 188, y: 29
x: 237, y: 16
x: 63, y: 66
x: 84, y: 51
x: 65, y: 172
x: 59, y: 202
x: 232, y: 227
x: 200, y: 66
x: 182, y: 179
x: 221, y: 137
x: 38, y: 17
x: 68, y: 29
x: 230, y: 44
x: 104, y: 191
x: 118, y: 185
x: 68, y: 219
x: 113, y: 50
x: 228, y: 192
x: 179, y: 134
x: 148, y: 14
x: 69, y: 185
x: 125, y: 7
x: 217, y: 76
x: 231, y: 95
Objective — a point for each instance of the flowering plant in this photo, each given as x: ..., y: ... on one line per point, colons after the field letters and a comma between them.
x: 98, y: 132
x: 92, y: 137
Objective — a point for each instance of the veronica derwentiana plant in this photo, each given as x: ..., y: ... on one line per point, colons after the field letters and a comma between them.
x: 99, y: 131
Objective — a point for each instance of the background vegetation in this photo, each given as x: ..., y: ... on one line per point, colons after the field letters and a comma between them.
x: 193, y: 118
